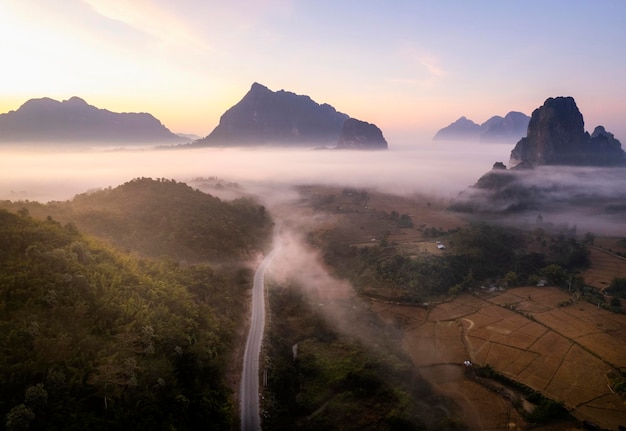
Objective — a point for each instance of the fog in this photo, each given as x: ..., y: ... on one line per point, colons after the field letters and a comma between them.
x: 591, y: 198
x: 427, y: 167
x: 441, y: 169
x: 299, y: 264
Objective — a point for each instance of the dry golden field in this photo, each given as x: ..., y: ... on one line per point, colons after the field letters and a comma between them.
x: 564, y: 353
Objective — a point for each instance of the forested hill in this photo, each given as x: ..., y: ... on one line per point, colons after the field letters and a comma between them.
x: 93, y: 338
x: 164, y: 218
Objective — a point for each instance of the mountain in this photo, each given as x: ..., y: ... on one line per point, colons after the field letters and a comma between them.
x: 556, y: 136
x: 557, y: 165
x: 507, y: 129
x: 356, y: 134
x: 461, y: 129
x: 73, y: 120
x: 266, y: 117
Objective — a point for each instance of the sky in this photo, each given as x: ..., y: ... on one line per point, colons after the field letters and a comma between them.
x: 410, y: 67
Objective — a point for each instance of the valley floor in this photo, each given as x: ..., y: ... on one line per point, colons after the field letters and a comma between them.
x: 543, y: 337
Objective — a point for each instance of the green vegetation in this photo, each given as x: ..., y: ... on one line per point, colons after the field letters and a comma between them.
x: 475, y: 253
x: 320, y: 379
x: 95, y: 337
x: 617, y: 288
x: 163, y: 218
x: 400, y: 220
x: 545, y: 409
x: 618, y: 382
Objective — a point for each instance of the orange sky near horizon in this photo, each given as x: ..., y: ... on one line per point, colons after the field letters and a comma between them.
x: 411, y: 67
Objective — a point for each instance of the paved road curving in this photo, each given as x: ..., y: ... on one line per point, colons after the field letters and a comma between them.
x: 249, y: 390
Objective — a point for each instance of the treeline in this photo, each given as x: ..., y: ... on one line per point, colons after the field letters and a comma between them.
x: 545, y: 409
x: 475, y: 254
x: 160, y: 217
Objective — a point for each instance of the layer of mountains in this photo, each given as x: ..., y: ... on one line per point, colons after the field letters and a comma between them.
x: 262, y: 117
x: 507, y: 129
x: 557, y: 161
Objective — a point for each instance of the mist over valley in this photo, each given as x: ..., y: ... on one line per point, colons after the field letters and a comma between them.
x: 58, y: 175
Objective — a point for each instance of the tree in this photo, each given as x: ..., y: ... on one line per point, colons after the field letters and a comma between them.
x: 618, y: 287
x: 19, y: 418
x: 36, y: 397
x: 405, y: 221
x: 511, y: 279
x: 589, y: 238
x: 555, y: 274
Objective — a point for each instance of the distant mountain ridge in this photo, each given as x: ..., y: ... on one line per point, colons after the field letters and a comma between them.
x: 74, y: 120
x: 507, y: 129
x: 283, y: 118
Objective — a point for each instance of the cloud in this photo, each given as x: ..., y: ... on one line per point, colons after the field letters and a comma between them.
x: 589, y: 197
x: 436, y: 169
x: 425, y: 66
x: 152, y: 19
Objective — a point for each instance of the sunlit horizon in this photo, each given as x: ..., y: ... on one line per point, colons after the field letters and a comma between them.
x: 409, y: 67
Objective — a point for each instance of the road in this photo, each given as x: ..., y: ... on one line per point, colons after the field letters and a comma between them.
x: 249, y: 390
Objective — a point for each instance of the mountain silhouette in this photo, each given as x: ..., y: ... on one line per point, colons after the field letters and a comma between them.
x: 507, y: 129
x: 74, y: 120
x: 283, y: 118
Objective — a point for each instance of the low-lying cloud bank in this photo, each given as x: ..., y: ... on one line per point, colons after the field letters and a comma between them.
x: 437, y: 169
x: 428, y: 168
x: 591, y: 198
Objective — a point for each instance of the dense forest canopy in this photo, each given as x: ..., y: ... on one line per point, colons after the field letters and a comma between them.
x: 163, y: 218
x: 95, y: 337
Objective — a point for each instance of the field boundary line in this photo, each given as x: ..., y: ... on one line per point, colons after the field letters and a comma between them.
x: 608, y: 252
x: 556, y: 371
